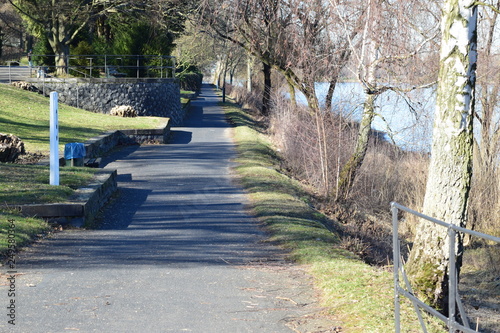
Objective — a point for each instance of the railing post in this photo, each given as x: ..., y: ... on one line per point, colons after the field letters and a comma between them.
x: 90, y: 60
x: 395, y: 260
x: 173, y: 67
x: 452, y: 282
x: 138, y: 62
x: 454, y: 301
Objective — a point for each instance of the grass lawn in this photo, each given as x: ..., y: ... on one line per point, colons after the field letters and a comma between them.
x: 184, y: 97
x: 356, y: 294
x: 18, y: 231
x: 26, y: 115
x: 29, y: 184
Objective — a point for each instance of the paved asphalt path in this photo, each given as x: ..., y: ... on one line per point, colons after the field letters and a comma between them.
x: 176, y: 253
x: 15, y: 73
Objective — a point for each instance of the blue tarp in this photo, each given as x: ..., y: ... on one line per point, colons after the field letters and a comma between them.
x: 74, y: 150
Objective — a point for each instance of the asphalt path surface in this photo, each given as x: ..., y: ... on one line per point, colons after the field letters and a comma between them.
x: 177, y: 251
x: 15, y: 73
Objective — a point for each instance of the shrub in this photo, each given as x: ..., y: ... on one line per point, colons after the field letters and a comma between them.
x: 247, y: 100
x: 190, y: 81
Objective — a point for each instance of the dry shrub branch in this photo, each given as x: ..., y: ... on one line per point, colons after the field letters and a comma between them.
x: 309, y: 142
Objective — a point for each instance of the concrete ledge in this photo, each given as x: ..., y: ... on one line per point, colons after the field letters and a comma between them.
x: 161, y: 134
x: 53, y: 210
x: 82, y: 207
x: 98, y: 146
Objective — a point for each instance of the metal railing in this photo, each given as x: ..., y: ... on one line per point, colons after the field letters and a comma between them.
x: 454, y: 300
x: 105, y: 66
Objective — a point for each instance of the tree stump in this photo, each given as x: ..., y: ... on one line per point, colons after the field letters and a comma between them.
x: 10, y: 147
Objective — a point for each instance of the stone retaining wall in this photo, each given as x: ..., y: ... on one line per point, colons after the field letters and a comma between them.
x: 149, y: 97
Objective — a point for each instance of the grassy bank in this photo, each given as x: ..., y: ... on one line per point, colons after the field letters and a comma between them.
x: 18, y: 231
x: 358, y: 295
x: 27, y: 184
x: 26, y: 115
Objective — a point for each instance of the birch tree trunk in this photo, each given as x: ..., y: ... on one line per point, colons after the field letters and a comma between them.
x: 450, y: 168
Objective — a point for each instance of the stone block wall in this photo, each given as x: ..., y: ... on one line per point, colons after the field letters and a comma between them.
x: 149, y: 97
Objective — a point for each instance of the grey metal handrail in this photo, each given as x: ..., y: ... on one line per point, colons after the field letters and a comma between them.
x: 117, y: 66
x: 454, y: 298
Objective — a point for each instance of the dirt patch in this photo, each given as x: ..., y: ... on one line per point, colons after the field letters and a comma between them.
x: 292, y: 289
x: 30, y: 158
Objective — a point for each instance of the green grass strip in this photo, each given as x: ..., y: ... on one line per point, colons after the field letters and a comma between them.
x: 29, y: 184
x: 17, y: 231
x: 26, y: 114
x: 358, y: 295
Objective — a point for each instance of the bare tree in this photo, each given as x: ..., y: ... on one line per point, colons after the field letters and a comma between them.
x: 450, y: 170
x: 488, y: 80
x: 287, y: 36
x: 382, y: 60
x: 14, y: 35
x: 61, y: 21
x: 485, y: 190
x: 244, y: 23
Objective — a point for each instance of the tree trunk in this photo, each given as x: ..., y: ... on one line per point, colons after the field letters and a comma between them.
x: 61, y: 57
x: 57, y: 40
x: 312, y: 100
x: 490, y: 90
x: 351, y: 168
x: 217, y: 73
x: 450, y: 168
x: 266, y: 98
x: 1, y: 42
x: 293, y: 95
x: 341, y: 63
x: 329, y: 95
x: 249, y: 72
x: 305, y: 86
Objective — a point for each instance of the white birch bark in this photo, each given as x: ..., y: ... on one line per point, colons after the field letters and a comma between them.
x: 450, y: 168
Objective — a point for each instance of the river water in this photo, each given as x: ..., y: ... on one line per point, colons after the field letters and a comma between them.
x: 407, y: 119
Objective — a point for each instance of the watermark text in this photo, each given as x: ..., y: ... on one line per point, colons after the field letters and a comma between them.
x: 11, y: 272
